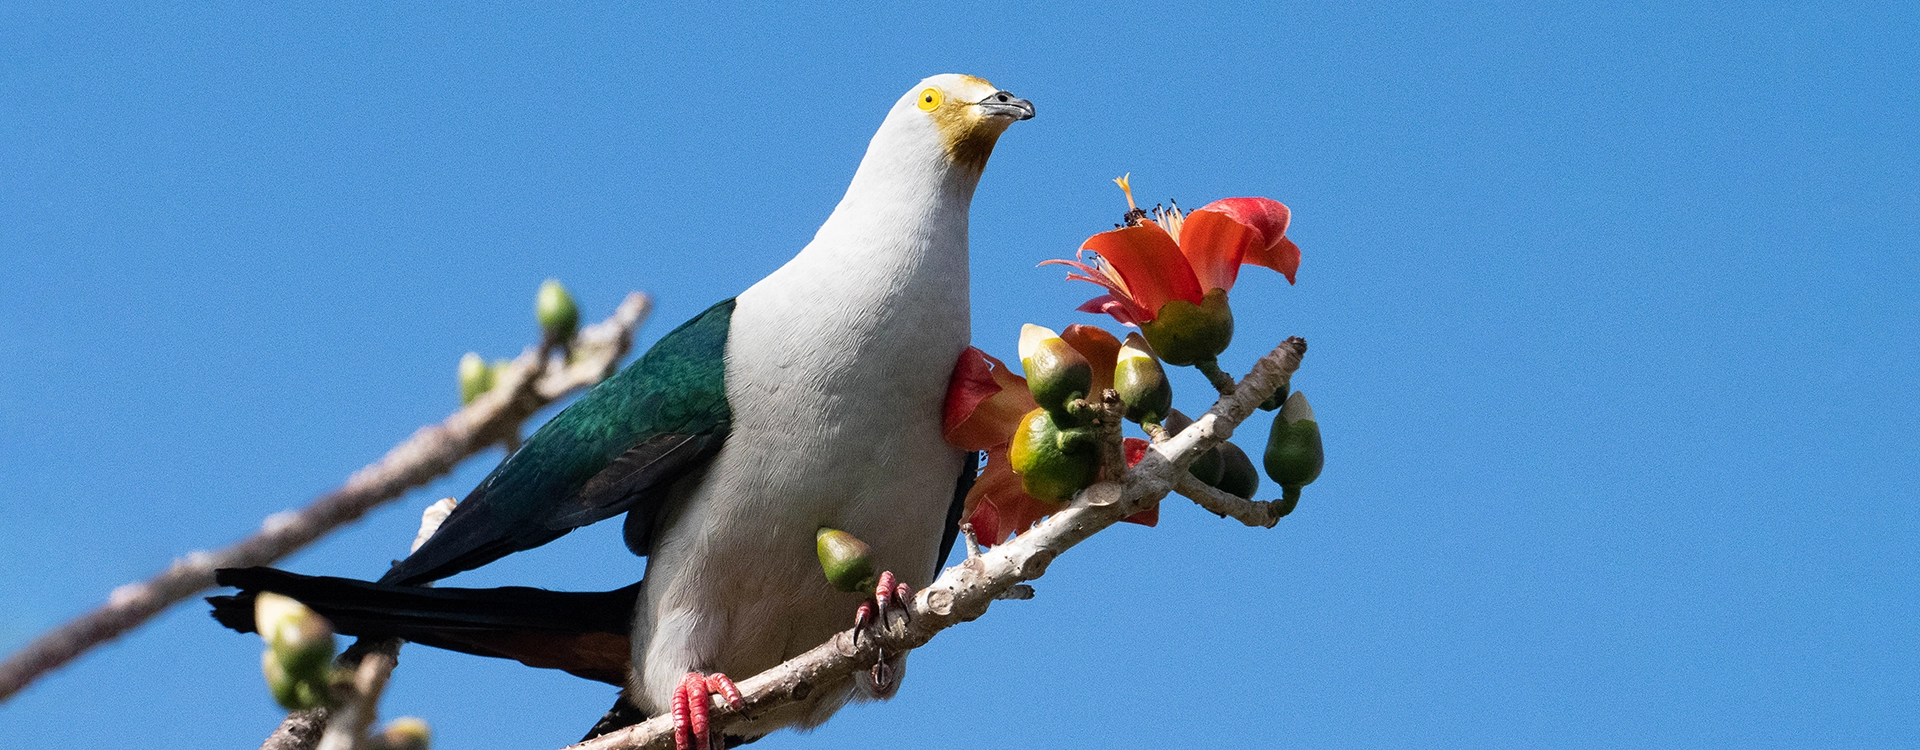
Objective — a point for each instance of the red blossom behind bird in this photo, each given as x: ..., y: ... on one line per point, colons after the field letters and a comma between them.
x: 985, y: 402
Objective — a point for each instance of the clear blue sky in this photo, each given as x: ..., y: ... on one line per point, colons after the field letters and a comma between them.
x: 1614, y: 318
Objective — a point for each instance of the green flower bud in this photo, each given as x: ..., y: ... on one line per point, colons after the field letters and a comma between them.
x: 298, y: 637
x: 1238, y: 476
x: 1142, y: 382
x: 1294, y: 457
x: 475, y: 377
x: 404, y: 733
x: 554, y: 308
x: 844, y: 559
x: 1276, y: 400
x: 1053, y: 463
x: 1183, y: 333
x: 1057, y: 373
x: 292, y: 693
x: 1209, y: 467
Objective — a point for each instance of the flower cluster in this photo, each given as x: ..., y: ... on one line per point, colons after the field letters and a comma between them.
x: 1166, y: 272
x: 989, y: 408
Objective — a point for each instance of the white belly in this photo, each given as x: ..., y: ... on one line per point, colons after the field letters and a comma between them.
x: 733, y: 584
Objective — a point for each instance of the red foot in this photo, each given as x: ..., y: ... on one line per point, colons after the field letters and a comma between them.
x: 690, y: 707
x: 887, y: 595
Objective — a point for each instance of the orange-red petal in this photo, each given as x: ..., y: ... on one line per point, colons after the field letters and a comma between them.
x: 1107, y: 304
x: 1270, y: 218
x: 1101, y: 349
x: 984, y: 402
x: 1283, y: 256
x: 1151, y: 264
x: 1136, y: 449
x: 1215, y: 243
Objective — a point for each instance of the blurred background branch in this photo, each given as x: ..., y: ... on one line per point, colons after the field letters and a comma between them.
x: 537, y: 378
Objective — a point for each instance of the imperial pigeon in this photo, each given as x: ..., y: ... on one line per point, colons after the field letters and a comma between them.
x: 810, y: 401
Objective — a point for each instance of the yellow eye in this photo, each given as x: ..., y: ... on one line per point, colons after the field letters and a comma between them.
x: 930, y: 98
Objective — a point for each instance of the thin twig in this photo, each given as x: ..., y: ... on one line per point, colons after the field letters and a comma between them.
x: 964, y: 592
x: 432, y: 451
x: 347, y: 729
x: 1262, y: 513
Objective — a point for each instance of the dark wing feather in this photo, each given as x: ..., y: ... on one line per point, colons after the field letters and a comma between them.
x: 615, y: 450
x: 625, y: 481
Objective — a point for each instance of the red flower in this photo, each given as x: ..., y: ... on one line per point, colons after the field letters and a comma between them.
x: 985, y: 402
x: 1177, y: 255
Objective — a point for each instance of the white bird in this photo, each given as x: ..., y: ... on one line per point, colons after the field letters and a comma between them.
x: 812, y: 400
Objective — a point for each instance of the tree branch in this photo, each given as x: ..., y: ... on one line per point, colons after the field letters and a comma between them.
x: 372, y: 662
x: 1262, y: 513
x: 530, y: 384
x: 347, y: 729
x: 964, y: 592
x: 300, y: 731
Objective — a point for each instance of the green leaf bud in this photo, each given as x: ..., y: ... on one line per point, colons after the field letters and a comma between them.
x: 1183, y: 333
x: 1057, y: 373
x: 1294, y: 457
x: 475, y: 377
x: 1053, y: 463
x: 1238, y: 476
x: 844, y: 559
x: 553, y: 307
x: 1142, y: 382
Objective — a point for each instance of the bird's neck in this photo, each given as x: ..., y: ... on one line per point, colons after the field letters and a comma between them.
x: 901, y: 229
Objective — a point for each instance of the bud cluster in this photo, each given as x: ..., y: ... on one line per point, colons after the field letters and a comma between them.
x: 559, y: 319
x: 1055, y: 448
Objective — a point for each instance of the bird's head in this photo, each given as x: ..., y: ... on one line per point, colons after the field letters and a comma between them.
x: 964, y: 113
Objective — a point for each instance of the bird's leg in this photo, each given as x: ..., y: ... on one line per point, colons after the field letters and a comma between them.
x: 889, y: 595
x: 691, y: 706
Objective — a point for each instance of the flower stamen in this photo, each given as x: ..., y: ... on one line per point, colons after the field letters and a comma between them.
x: 1134, y: 215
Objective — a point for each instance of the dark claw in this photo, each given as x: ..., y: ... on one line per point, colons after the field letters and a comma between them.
x: 901, y: 595
x: 861, y: 618
x: 882, y: 676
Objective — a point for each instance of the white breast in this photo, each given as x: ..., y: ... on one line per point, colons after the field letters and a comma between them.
x: 837, y: 366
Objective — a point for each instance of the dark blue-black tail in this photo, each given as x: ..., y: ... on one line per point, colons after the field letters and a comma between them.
x: 582, y: 633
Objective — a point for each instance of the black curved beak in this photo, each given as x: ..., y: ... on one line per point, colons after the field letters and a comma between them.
x: 1003, y: 104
